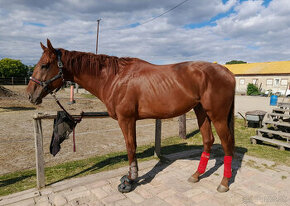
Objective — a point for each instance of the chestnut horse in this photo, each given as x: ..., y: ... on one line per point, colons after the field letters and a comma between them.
x: 133, y: 89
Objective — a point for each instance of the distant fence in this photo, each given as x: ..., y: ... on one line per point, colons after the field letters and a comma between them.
x: 25, y: 81
x: 14, y: 81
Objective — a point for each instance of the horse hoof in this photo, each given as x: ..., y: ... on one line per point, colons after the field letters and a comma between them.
x: 221, y: 188
x: 125, y: 187
x: 192, y: 179
x: 126, y: 184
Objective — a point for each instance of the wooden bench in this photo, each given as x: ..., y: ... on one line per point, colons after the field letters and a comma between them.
x: 282, y: 127
x: 285, y: 105
x: 281, y: 110
x: 281, y: 145
x: 278, y: 115
x: 268, y: 131
x: 284, y: 124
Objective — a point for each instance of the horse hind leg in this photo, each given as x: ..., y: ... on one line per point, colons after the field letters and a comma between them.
x: 204, y: 124
x: 226, y: 135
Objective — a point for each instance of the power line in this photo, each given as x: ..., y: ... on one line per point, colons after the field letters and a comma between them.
x: 169, y: 10
x: 149, y: 20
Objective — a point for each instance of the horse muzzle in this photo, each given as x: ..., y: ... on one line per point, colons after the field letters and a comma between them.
x: 33, y: 100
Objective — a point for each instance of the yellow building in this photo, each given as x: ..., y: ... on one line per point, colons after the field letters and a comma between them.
x: 273, y: 76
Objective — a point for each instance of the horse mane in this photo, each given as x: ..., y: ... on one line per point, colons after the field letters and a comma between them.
x: 88, y: 62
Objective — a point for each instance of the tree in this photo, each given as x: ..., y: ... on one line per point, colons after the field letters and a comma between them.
x: 12, y: 68
x: 236, y: 62
x: 30, y: 69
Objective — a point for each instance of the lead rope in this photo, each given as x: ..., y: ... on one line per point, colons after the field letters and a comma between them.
x: 71, y: 117
x: 74, y: 140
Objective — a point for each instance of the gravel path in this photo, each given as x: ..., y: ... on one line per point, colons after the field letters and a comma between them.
x: 249, y: 103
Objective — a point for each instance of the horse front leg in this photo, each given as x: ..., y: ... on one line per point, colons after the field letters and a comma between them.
x: 128, y: 127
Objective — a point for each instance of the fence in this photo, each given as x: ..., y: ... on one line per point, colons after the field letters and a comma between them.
x: 39, y: 138
x: 14, y: 81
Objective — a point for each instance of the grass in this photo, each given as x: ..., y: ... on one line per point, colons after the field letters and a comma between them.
x: 267, y: 151
x: 22, y: 180
x: 88, y: 96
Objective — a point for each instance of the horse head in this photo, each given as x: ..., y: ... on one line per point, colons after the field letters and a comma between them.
x: 47, y: 75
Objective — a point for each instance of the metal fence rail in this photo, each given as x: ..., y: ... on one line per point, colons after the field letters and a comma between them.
x: 14, y: 81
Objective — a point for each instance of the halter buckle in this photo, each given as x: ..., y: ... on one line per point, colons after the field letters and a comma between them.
x: 59, y: 64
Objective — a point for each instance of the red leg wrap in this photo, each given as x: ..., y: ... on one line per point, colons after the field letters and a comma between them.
x: 228, y: 166
x: 203, y: 162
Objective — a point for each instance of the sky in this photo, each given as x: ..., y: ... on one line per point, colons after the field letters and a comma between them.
x: 158, y: 31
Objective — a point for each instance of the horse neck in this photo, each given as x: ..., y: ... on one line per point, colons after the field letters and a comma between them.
x: 79, y: 72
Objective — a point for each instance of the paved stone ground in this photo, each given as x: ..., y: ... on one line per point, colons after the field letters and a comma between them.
x: 255, y: 182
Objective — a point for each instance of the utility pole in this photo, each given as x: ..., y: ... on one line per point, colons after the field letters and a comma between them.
x: 98, y: 28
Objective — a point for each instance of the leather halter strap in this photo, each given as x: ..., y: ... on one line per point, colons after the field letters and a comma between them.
x: 45, y: 84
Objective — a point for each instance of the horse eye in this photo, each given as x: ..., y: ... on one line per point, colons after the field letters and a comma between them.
x: 44, y: 66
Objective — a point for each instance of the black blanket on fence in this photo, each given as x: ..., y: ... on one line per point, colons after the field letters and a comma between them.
x: 62, y: 127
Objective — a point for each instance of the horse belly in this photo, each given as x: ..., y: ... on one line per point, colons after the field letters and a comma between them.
x: 167, y: 105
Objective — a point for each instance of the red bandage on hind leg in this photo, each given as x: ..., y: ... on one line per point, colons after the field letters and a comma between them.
x: 203, y: 162
x: 228, y: 166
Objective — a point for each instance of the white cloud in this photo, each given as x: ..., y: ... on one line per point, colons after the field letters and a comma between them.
x: 252, y: 32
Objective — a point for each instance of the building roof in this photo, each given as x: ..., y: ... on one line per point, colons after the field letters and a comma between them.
x: 266, y: 68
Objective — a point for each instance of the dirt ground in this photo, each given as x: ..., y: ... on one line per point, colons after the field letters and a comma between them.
x: 93, y: 136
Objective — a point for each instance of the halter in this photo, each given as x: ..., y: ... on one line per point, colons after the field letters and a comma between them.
x: 45, y: 84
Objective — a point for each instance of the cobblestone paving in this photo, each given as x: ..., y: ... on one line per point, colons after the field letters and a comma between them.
x: 255, y: 182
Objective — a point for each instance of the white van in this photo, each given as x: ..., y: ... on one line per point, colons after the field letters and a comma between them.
x: 278, y: 92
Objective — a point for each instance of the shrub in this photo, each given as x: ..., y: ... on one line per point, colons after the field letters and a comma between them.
x: 252, y: 90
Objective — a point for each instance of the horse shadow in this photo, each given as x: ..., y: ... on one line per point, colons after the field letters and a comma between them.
x: 217, y: 154
x: 14, y: 180
x: 169, y: 156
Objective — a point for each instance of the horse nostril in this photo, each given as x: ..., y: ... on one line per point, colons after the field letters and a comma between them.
x: 29, y: 96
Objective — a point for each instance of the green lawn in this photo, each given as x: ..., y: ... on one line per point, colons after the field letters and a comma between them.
x: 22, y: 180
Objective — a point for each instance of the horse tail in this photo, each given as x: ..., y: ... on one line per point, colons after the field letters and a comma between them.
x: 231, y: 122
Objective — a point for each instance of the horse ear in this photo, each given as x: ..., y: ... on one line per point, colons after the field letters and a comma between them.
x: 50, y: 47
x: 42, y: 46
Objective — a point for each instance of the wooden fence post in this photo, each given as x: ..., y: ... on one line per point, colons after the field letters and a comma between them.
x: 39, y: 152
x: 77, y: 88
x: 157, y: 149
x: 182, y: 126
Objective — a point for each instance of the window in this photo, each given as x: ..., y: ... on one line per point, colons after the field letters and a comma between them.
x: 276, y: 82
x: 269, y: 82
x: 242, y: 81
x: 284, y: 82
x: 255, y: 81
